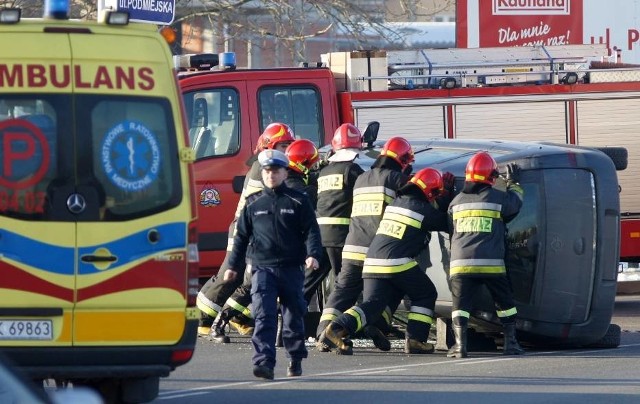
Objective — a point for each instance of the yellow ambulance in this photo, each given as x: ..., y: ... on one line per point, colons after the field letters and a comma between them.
x: 98, y: 249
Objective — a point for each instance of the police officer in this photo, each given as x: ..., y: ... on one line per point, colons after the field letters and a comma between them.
x: 372, y: 192
x: 335, y: 199
x: 216, y: 291
x: 390, y: 268
x: 478, y: 215
x: 278, y: 232
x: 302, y: 155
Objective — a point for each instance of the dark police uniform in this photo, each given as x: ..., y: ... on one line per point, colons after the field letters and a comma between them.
x: 276, y: 231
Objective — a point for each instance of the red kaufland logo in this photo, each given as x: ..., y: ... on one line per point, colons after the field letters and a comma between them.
x: 531, y: 7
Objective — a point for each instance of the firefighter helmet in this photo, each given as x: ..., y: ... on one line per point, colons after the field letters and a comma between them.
x: 481, y: 168
x: 347, y: 136
x: 302, y: 154
x: 276, y: 133
x: 399, y: 150
x: 429, y: 180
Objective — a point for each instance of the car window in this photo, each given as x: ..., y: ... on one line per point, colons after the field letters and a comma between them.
x: 214, y: 121
x: 298, y: 107
x: 31, y: 131
x: 134, y: 156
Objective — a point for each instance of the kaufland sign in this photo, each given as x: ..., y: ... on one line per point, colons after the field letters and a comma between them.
x: 489, y: 23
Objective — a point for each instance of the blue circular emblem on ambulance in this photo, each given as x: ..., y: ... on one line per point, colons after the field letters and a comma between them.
x: 131, y: 156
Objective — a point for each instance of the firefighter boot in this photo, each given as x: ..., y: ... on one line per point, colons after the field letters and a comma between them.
x: 459, y: 349
x: 334, y: 337
x: 413, y: 346
x: 216, y: 334
x: 242, y: 324
x: 379, y: 339
x: 511, y: 345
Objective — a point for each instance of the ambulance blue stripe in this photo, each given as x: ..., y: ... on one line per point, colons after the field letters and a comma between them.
x: 136, y: 246
x: 36, y: 254
x: 56, y: 259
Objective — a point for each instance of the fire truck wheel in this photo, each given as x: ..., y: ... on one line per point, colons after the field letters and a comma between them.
x: 610, y: 340
x: 619, y: 156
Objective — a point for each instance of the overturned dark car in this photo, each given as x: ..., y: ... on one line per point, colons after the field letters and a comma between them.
x: 563, y: 246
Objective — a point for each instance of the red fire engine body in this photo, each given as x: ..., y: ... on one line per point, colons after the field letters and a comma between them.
x: 544, y: 94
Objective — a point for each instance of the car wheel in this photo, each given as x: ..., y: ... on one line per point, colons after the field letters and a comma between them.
x: 610, y: 340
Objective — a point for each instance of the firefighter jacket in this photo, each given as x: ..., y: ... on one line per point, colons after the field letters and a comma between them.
x: 302, y: 184
x: 373, y: 191
x: 478, y: 219
x: 335, y: 198
x: 401, y: 236
x: 277, y: 227
x: 252, y: 184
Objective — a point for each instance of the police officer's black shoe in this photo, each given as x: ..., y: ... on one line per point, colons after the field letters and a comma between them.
x: 263, y: 372
x: 295, y: 368
x: 379, y: 339
x: 217, y: 335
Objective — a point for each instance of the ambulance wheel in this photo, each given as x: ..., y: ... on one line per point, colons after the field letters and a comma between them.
x: 610, y: 340
x: 619, y: 156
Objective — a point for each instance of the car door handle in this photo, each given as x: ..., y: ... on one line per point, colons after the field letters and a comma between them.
x: 98, y: 258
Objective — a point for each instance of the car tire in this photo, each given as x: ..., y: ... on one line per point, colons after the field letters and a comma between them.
x: 619, y: 156
x: 611, y: 338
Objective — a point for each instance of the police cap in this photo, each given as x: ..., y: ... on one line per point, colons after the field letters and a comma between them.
x: 273, y: 158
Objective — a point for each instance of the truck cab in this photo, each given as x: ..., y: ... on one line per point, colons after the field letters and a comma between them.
x: 227, y: 109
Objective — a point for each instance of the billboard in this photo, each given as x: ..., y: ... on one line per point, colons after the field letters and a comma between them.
x: 489, y: 23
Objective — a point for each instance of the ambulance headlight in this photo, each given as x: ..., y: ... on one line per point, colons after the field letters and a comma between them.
x: 227, y: 60
x: 10, y: 15
x: 58, y: 9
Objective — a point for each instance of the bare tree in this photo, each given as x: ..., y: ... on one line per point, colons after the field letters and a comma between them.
x: 285, y: 24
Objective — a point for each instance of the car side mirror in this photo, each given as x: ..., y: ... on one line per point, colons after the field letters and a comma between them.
x: 371, y: 133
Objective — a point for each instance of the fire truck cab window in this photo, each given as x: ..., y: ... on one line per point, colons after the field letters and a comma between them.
x: 213, y: 117
x: 298, y: 107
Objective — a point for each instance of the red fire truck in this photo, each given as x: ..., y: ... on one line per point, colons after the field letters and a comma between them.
x: 559, y: 94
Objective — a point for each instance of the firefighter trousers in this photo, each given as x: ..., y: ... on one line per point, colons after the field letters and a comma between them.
x: 378, y: 293
x: 214, y: 294
x: 331, y: 264
x: 464, y: 288
x: 268, y: 285
x: 347, y: 290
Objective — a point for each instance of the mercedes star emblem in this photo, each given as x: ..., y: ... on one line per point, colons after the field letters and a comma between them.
x: 76, y: 203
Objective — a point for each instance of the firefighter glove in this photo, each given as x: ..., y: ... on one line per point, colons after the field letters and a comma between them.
x: 448, y: 179
x: 513, y: 172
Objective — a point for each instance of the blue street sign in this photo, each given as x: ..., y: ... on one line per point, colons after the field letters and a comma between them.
x: 154, y: 11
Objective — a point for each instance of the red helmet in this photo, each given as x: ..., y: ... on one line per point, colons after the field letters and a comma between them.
x: 398, y: 149
x: 276, y: 133
x: 347, y: 136
x: 429, y: 180
x: 302, y: 155
x: 259, y: 145
x: 482, y: 168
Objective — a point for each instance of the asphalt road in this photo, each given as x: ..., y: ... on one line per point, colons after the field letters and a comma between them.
x: 222, y: 374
